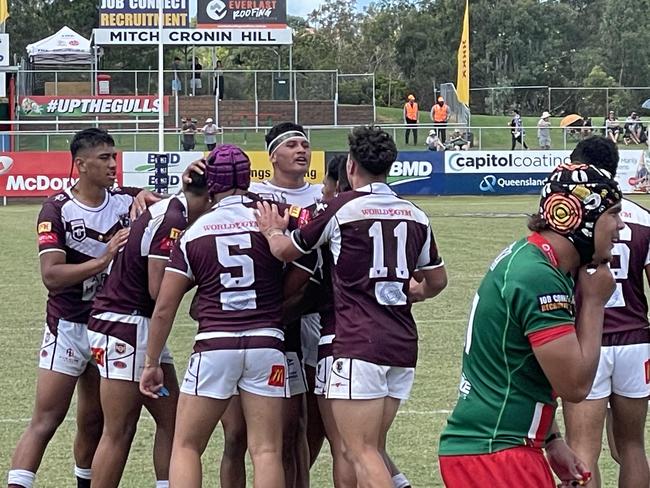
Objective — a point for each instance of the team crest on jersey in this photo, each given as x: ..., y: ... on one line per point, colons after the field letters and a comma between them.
x: 120, y: 348
x: 78, y: 229
x: 551, y: 302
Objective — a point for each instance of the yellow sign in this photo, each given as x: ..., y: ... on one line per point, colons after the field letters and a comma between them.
x: 462, y: 81
x: 262, y: 169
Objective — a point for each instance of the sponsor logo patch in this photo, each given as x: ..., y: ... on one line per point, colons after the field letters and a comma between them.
x: 555, y: 301
x: 44, y: 227
x: 119, y: 364
x: 276, y: 378
x: 120, y: 348
x: 174, y: 233
x: 294, y: 211
x: 98, y: 355
x: 47, y: 238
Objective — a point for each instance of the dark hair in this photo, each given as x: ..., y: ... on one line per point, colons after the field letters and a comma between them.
x: 344, y: 183
x: 537, y: 224
x: 597, y: 151
x: 90, y: 138
x: 281, y: 128
x: 198, y: 186
x: 176, y: 58
x: 515, y: 110
x: 334, y: 165
x: 373, y: 149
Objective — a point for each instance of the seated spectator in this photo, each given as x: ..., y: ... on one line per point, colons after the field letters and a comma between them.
x: 433, y: 142
x: 457, y: 142
x: 633, y: 129
x: 612, y: 127
x: 587, y: 128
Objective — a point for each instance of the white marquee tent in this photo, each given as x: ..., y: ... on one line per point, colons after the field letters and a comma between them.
x: 64, y: 47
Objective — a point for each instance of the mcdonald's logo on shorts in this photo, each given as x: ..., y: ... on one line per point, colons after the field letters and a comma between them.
x: 276, y: 378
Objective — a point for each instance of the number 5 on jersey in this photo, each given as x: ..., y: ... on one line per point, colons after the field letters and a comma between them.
x: 239, y: 299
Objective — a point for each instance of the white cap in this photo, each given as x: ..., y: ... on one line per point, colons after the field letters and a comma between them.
x: 545, y: 115
x: 209, y: 120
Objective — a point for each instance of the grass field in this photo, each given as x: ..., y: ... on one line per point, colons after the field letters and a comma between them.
x: 494, y: 134
x: 470, y: 232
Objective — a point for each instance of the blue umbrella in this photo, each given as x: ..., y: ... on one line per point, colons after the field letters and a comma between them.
x: 646, y: 104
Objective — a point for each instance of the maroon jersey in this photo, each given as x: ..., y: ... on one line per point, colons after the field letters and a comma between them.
x: 239, y: 282
x: 126, y: 290
x: 627, y: 309
x: 66, y: 225
x: 377, y: 241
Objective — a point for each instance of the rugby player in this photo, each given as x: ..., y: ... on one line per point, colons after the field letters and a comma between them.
x: 239, y: 347
x: 379, y: 244
x: 117, y: 331
x: 623, y: 376
x: 79, y: 231
x: 523, y: 345
x: 290, y: 155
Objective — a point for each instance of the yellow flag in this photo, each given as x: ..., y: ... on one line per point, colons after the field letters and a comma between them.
x: 4, y: 11
x: 462, y: 83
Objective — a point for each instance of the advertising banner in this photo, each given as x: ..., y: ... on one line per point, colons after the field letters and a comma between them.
x: 634, y: 171
x: 138, y: 167
x: 123, y: 14
x: 494, y: 184
x: 249, y: 36
x: 37, y: 174
x: 217, y: 13
x: 4, y: 49
x: 498, y: 162
x: 55, y: 106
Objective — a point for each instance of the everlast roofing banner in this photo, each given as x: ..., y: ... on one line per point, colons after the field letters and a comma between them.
x: 46, y: 106
x: 129, y: 14
x: 217, y: 13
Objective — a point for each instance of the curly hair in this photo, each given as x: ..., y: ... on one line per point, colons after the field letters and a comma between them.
x: 597, y: 151
x: 373, y: 149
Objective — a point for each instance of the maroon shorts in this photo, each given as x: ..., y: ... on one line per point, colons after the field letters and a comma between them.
x: 518, y: 466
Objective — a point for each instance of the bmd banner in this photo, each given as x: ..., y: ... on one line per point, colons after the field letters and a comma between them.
x: 138, y: 167
x: 413, y: 173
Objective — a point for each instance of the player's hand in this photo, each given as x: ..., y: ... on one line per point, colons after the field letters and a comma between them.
x: 566, y: 465
x: 151, y: 381
x: 141, y: 202
x: 269, y: 219
x: 197, y: 167
x: 415, y: 293
x: 117, y: 241
x: 596, y: 283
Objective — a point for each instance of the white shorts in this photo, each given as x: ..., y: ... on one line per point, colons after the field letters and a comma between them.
x: 309, y: 336
x: 623, y: 370
x: 119, y: 343
x: 322, y: 375
x: 355, y: 379
x: 67, y: 351
x: 220, y: 373
x: 296, y: 374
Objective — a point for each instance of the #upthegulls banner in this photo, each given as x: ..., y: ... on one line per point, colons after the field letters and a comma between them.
x: 55, y: 106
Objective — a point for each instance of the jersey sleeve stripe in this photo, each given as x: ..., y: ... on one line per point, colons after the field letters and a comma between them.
x: 174, y: 270
x: 294, y: 241
x: 51, y: 250
x: 541, y: 337
x: 304, y: 268
x: 155, y: 256
x: 432, y: 266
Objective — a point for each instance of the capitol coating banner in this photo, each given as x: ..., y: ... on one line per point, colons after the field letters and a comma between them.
x: 61, y: 106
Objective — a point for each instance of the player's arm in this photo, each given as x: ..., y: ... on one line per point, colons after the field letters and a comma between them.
x: 569, y: 356
x: 57, y: 274
x: 156, y: 271
x: 564, y: 462
x: 272, y: 225
x: 173, y: 287
x: 430, y: 277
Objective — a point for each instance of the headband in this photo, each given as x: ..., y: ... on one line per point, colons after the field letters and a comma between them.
x: 291, y: 135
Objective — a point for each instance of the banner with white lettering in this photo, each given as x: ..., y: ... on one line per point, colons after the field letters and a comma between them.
x: 38, y: 173
x: 60, y: 106
x: 201, y: 37
x: 220, y: 13
x: 128, y: 14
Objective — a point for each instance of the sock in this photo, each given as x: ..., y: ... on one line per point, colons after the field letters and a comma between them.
x: 21, y: 478
x: 400, y: 481
x: 83, y: 477
x: 162, y: 483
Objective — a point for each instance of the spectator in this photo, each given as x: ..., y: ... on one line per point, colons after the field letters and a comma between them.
x: 612, y: 127
x: 176, y: 76
x: 587, y: 128
x: 517, y: 130
x: 218, y: 81
x: 196, y: 77
x: 433, y: 141
x: 411, y: 118
x: 544, y: 131
x: 457, y: 142
x: 440, y: 117
x: 633, y: 130
x: 210, y: 131
x: 189, y: 129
